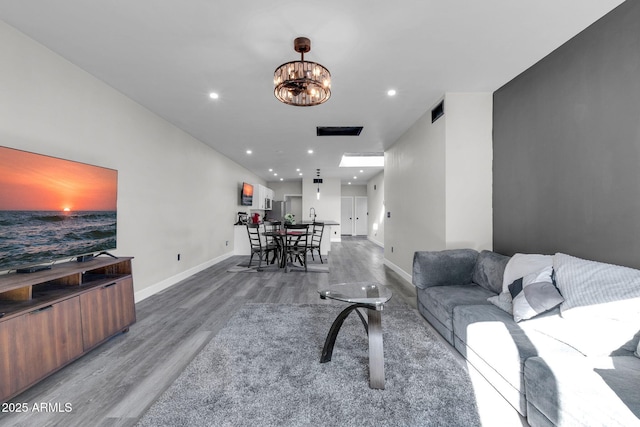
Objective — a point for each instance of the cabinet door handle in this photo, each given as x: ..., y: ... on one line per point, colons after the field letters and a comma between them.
x: 109, y: 285
x: 40, y: 310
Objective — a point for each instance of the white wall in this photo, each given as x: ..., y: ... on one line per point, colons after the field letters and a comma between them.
x: 438, y: 182
x: 375, y: 194
x: 328, y: 207
x: 414, y: 193
x: 175, y: 194
x: 469, y: 156
x: 281, y: 188
x: 354, y: 190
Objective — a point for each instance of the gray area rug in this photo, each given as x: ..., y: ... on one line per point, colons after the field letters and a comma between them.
x: 263, y: 369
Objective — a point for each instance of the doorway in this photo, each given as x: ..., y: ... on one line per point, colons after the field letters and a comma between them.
x: 293, y: 202
x: 353, y: 216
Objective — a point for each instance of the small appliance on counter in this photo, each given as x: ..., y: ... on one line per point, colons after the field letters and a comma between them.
x: 255, y: 218
x: 242, y: 218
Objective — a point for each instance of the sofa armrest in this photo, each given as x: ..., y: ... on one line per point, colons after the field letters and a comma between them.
x: 443, y: 268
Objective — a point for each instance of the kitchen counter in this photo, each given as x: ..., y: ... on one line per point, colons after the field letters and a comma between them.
x: 326, y: 222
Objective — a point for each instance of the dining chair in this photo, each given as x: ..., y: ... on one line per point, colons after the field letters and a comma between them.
x: 273, y: 227
x: 259, y: 245
x: 296, y: 243
x: 316, y: 239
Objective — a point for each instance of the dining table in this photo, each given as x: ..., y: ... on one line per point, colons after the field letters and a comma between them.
x: 280, y: 238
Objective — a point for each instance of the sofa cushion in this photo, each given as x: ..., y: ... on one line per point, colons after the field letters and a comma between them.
x: 441, y: 300
x: 584, y: 390
x: 502, y: 303
x: 534, y: 294
x: 497, y: 346
x: 591, y: 337
x: 489, y: 270
x: 596, y: 289
x: 443, y: 268
x: 493, y: 335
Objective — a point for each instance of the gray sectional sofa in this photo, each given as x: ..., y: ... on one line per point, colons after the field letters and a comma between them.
x: 573, y: 364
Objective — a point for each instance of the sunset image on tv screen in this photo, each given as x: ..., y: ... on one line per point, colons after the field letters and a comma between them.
x: 52, y: 208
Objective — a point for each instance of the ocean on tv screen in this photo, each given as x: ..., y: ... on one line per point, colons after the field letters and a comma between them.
x: 32, y: 237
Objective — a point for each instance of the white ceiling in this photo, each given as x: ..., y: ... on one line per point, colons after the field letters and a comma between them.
x: 169, y: 54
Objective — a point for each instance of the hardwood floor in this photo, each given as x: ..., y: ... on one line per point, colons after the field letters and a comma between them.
x: 114, y: 384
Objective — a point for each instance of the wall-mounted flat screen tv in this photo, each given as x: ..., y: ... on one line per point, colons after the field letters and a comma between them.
x: 246, y: 195
x: 52, y: 209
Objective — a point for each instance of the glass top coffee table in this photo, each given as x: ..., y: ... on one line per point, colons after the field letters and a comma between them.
x: 372, y: 297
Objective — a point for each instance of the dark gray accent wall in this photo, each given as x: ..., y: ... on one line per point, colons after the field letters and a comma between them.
x: 567, y: 148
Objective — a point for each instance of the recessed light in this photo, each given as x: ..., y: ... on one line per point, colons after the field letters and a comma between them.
x: 355, y: 177
x: 297, y: 169
x: 361, y: 171
x: 300, y: 174
x: 391, y: 92
x: 281, y: 179
x: 275, y: 174
x: 310, y: 151
x: 214, y: 95
x: 349, y: 183
x: 270, y: 170
x: 249, y: 151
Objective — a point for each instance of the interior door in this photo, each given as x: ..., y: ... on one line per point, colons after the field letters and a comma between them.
x: 362, y: 213
x: 346, y: 216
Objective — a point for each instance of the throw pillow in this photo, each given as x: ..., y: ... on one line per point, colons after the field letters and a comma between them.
x: 534, y: 294
x: 596, y: 289
x: 519, y: 266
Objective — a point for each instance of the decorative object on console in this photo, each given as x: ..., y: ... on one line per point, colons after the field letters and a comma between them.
x: 302, y: 83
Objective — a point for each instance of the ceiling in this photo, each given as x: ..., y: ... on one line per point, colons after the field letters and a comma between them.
x: 169, y: 55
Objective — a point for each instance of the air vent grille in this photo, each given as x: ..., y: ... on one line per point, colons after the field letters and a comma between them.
x: 437, y: 112
x: 338, y: 130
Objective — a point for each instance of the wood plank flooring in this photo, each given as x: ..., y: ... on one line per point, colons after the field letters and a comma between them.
x: 114, y: 384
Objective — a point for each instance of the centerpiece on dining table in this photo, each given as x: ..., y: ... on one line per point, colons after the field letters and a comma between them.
x: 289, y: 218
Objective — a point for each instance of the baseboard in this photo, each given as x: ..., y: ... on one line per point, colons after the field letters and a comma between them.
x: 406, y: 276
x: 375, y: 241
x: 167, y: 283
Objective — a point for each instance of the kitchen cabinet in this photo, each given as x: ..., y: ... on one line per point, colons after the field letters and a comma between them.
x: 262, y: 193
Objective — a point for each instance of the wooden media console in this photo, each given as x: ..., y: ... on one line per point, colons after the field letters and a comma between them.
x: 52, y: 317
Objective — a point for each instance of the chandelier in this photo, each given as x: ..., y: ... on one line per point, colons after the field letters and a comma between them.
x: 302, y: 83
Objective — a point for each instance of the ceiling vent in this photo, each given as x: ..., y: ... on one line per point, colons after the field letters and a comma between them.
x: 437, y: 112
x: 338, y: 130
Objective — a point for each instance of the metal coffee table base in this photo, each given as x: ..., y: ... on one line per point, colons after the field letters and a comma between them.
x: 374, y: 329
